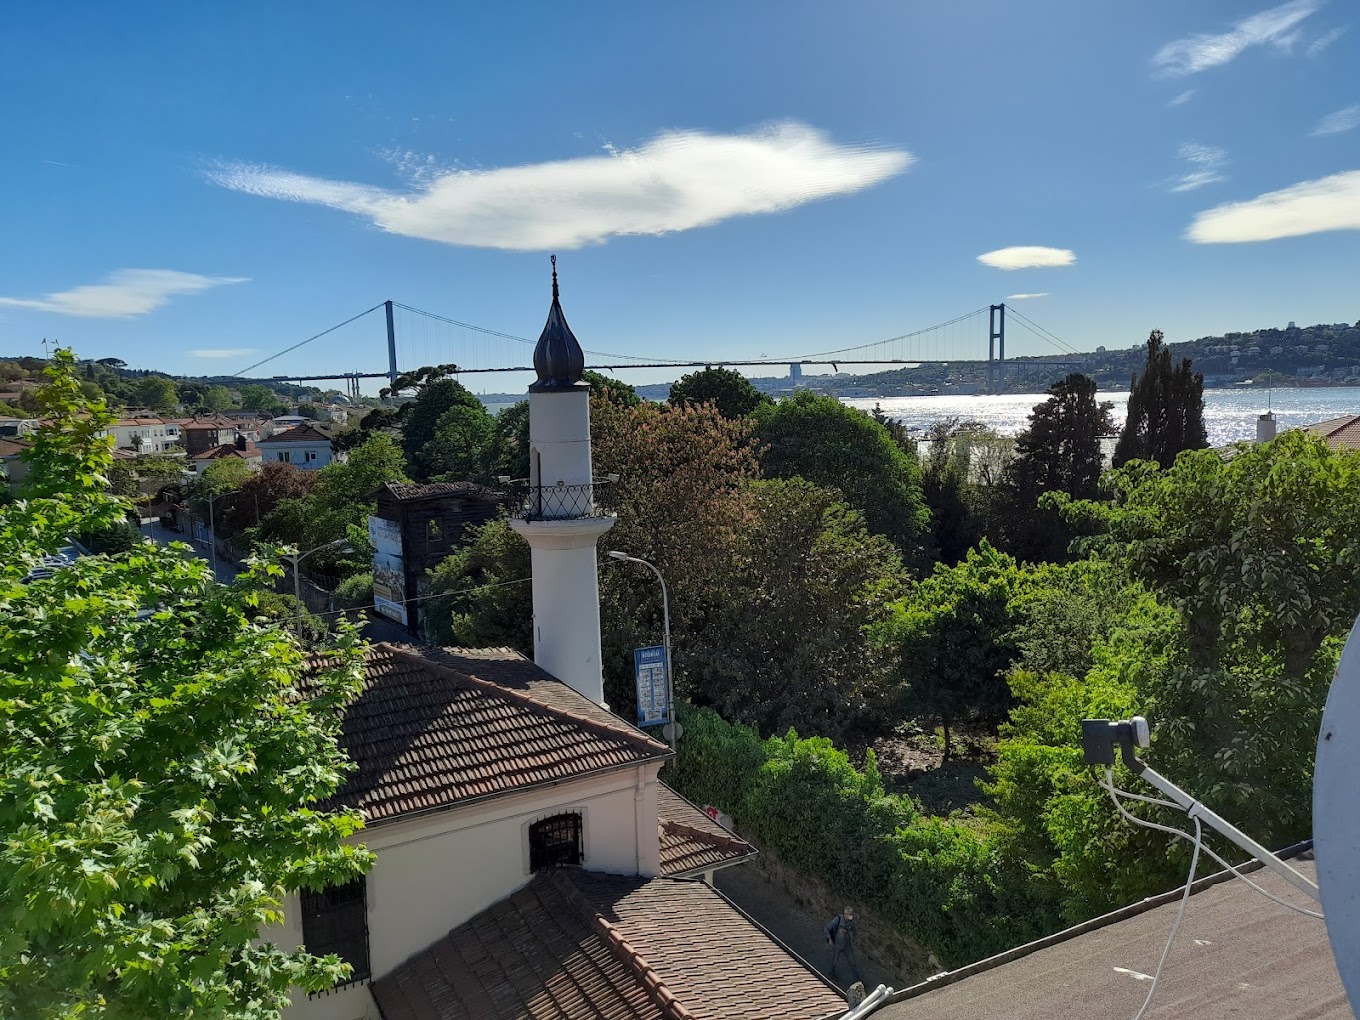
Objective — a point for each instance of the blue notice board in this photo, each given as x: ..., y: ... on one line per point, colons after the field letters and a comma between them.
x: 649, y: 668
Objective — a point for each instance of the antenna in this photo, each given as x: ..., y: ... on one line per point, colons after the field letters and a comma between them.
x: 1336, y: 823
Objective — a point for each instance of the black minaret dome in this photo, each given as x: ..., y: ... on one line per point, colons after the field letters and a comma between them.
x: 558, y: 358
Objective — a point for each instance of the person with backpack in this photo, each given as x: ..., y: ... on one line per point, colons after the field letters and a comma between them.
x: 840, y: 936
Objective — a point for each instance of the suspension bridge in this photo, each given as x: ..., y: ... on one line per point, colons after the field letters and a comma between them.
x: 412, y: 337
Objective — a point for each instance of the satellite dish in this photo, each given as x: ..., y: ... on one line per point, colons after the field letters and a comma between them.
x: 1336, y: 815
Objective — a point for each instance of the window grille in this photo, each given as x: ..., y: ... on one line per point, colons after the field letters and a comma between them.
x: 336, y: 921
x: 555, y: 841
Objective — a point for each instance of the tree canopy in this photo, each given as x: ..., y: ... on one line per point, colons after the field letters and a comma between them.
x: 160, y: 776
x: 1166, y: 409
x: 726, y: 388
x: 823, y: 440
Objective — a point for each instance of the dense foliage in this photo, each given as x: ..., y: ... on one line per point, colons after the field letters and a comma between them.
x: 831, y: 444
x: 728, y: 390
x: 158, y: 766
x: 1165, y: 411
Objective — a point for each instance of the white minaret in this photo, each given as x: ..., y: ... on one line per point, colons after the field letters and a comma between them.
x: 559, y: 519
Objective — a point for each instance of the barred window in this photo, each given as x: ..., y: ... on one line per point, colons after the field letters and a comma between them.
x: 335, y: 920
x: 555, y: 841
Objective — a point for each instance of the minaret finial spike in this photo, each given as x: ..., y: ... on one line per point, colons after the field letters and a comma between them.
x: 554, y: 267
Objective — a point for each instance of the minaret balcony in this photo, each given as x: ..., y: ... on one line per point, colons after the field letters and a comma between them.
x: 560, y: 502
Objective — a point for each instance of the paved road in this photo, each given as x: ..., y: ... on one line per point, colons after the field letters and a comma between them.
x: 794, y: 925
x: 161, y: 535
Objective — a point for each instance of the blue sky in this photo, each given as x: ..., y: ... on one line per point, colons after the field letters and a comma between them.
x: 717, y: 180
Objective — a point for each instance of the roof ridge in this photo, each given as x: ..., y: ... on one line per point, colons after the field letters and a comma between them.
x: 637, y: 739
x: 675, y: 828
x: 652, y: 983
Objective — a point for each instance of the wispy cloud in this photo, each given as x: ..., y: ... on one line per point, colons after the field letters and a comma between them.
x: 126, y: 294
x: 677, y: 181
x: 1206, y: 162
x: 1182, y: 98
x: 1341, y: 120
x: 1326, y: 39
x: 1277, y: 26
x: 1027, y: 257
x: 1025, y: 297
x: 1309, y: 207
x: 222, y: 352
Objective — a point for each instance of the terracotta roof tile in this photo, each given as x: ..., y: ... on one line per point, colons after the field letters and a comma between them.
x: 310, y: 433
x: 1341, y: 433
x: 692, y: 842
x: 433, y: 729
x: 579, y: 944
x: 413, y: 490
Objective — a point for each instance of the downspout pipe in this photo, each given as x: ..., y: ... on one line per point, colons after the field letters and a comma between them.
x: 878, y: 997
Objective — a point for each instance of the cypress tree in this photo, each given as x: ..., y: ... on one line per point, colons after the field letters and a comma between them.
x: 1166, y: 409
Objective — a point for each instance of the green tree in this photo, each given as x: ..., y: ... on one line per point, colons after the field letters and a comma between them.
x: 1059, y: 452
x: 826, y: 442
x: 729, y: 390
x: 1166, y: 409
x: 507, y: 452
x: 216, y: 398
x: 159, y: 777
x: 256, y: 397
x: 421, y: 420
x: 954, y: 636
x: 482, y: 593
x: 339, y: 505
x: 614, y: 389
x: 458, y: 451
x: 785, y: 638
x: 158, y: 393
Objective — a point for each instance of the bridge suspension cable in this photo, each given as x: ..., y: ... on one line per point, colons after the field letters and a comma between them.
x: 303, y: 343
x: 1043, y: 334
x: 890, y: 340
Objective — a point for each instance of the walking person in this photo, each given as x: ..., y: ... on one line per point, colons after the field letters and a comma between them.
x: 840, y: 936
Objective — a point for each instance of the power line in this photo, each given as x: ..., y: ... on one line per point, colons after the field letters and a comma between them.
x: 301, y: 343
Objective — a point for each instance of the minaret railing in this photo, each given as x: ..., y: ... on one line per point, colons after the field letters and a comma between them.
x: 558, y: 502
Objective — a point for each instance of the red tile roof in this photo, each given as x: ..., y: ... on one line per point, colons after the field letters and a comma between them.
x: 227, y: 450
x: 433, y: 729
x: 576, y: 943
x: 13, y: 447
x: 1340, y: 433
x: 692, y: 842
x: 299, y: 434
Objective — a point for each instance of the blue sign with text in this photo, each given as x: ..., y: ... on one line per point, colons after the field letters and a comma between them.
x: 649, y: 667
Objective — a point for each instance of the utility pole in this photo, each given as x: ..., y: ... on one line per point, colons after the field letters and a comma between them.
x: 391, y: 346
x: 996, y: 346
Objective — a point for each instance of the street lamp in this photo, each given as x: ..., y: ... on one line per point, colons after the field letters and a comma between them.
x: 672, y: 729
x: 296, y: 558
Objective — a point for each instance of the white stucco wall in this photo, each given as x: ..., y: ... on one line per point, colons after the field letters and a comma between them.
x: 434, y: 873
x: 297, y: 453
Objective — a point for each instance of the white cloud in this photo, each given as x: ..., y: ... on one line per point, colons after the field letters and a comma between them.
x: 1027, y: 257
x: 1205, y: 163
x: 677, y: 181
x: 1182, y: 99
x: 1309, y: 207
x: 222, y: 352
x: 1194, y: 53
x: 1326, y: 39
x: 127, y: 293
x: 1341, y: 120
x: 1025, y: 297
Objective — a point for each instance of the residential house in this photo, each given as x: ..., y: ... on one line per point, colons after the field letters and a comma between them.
x: 12, y: 470
x: 144, y: 435
x: 239, y: 449
x: 306, y: 446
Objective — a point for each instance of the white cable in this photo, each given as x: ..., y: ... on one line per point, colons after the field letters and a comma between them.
x: 1180, y: 915
x: 1116, y: 793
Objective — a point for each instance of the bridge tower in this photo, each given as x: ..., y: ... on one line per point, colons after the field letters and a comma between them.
x: 996, y: 347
